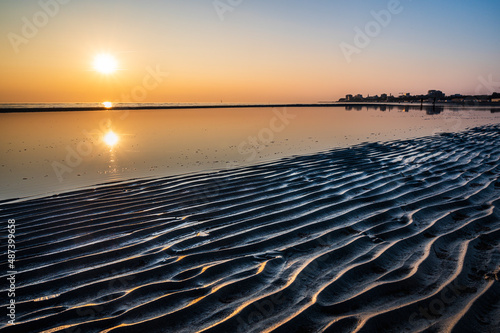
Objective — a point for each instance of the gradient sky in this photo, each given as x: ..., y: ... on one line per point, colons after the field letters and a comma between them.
x: 262, y: 51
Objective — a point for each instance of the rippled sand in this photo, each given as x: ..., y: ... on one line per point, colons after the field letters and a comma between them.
x: 394, y: 237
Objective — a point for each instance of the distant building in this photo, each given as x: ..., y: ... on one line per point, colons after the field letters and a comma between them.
x: 348, y: 97
x: 383, y: 96
x: 435, y: 94
x: 358, y: 96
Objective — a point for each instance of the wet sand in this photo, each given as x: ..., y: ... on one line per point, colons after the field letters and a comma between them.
x: 397, y: 236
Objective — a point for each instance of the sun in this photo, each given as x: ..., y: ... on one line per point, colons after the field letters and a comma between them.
x: 105, y: 63
x: 107, y: 105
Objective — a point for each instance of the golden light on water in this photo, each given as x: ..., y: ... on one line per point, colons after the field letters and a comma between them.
x: 110, y: 138
x: 107, y: 105
x: 105, y: 63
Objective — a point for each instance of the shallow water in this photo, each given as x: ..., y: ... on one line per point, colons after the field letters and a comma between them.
x: 52, y: 152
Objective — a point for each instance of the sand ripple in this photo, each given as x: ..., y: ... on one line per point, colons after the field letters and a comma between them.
x: 395, y: 237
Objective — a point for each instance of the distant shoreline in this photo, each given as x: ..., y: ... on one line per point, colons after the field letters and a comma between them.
x: 237, y: 106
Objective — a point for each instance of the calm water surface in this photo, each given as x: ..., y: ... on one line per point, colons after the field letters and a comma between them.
x: 50, y: 152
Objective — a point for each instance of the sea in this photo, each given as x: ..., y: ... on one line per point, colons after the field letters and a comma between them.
x: 46, y: 153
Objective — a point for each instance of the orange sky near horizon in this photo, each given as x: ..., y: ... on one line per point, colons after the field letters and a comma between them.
x: 259, y: 53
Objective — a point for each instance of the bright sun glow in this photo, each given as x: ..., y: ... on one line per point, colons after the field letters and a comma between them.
x: 110, y: 138
x: 105, y: 64
x: 107, y: 105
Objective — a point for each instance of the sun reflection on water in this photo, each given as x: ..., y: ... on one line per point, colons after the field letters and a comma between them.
x: 111, y: 138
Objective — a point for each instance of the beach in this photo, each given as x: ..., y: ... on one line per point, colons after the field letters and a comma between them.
x: 234, y: 166
x: 392, y: 235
